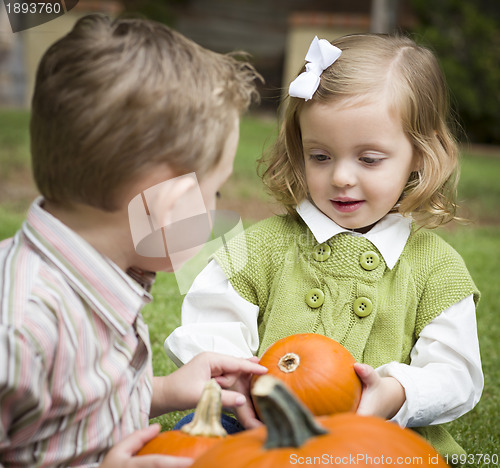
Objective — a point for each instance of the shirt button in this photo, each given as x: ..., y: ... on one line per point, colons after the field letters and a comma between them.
x: 315, y: 298
x: 369, y: 260
x: 321, y: 252
x: 362, y: 307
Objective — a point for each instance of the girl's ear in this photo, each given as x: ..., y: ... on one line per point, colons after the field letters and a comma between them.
x: 418, y: 161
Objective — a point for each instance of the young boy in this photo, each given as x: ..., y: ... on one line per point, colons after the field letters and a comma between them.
x: 118, y: 107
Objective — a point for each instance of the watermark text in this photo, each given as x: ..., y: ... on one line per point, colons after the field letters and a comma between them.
x: 362, y: 459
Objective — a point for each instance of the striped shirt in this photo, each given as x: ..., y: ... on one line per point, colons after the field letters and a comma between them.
x: 75, y: 358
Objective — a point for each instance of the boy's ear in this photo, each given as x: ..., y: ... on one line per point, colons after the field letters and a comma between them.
x: 174, y: 199
x: 159, y: 207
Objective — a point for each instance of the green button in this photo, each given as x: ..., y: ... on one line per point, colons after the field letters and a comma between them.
x: 362, y: 307
x: 315, y: 298
x: 369, y: 260
x: 321, y: 252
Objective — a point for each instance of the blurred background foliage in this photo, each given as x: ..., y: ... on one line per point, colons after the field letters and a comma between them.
x: 163, y: 11
x: 465, y: 34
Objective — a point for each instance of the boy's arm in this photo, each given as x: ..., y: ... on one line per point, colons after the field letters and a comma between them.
x: 22, y: 388
x: 444, y: 379
x: 214, y: 318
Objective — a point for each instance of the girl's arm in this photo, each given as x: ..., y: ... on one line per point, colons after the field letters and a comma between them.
x: 444, y: 379
x: 214, y: 318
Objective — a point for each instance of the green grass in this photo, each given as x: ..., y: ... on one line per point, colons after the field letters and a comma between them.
x: 479, y: 430
x: 9, y: 222
x: 162, y: 317
x: 256, y: 134
x: 479, y: 187
x: 14, y: 141
x: 479, y: 244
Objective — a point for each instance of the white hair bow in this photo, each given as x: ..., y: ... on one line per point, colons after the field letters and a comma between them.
x: 321, y: 55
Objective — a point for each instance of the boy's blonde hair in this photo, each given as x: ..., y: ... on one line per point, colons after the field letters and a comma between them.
x: 114, y: 99
x: 410, y: 77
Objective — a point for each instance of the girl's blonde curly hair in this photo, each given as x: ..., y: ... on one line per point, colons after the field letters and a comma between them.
x: 410, y: 75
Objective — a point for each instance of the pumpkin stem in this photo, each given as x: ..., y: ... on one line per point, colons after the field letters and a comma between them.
x: 206, y: 420
x: 289, y: 423
x: 289, y: 362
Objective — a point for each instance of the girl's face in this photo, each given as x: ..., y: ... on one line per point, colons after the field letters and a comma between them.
x: 357, y: 160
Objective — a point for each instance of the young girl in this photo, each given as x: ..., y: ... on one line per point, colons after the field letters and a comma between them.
x: 363, y: 162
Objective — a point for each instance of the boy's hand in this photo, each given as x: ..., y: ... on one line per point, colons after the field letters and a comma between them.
x: 382, y: 396
x: 122, y: 454
x: 245, y: 412
x: 182, y: 389
x: 238, y: 385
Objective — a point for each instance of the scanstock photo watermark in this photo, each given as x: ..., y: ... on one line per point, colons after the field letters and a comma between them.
x: 362, y: 459
x: 26, y: 14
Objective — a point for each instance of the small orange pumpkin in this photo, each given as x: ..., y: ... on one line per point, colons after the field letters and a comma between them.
x: 292, y: 436
x: 318, y: 370
x: 194, y: 438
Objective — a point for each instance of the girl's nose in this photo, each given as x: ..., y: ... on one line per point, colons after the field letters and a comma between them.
x: 343, y: 174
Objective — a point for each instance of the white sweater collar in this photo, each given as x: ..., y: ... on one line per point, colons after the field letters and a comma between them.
x: 389, y: 235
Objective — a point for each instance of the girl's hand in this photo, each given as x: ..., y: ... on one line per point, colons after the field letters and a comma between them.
x: 122, y: 454
x: 382, y: 396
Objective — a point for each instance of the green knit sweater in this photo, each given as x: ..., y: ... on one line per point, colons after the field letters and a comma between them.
x: 344, y: 290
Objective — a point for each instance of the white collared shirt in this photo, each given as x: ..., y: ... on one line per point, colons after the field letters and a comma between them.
x: 444, y: 379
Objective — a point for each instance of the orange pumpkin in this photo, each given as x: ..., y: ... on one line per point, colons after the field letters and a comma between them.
x: 318, y: 370
x: 292, y: 436
x: 194, y: 438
